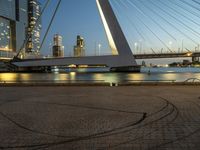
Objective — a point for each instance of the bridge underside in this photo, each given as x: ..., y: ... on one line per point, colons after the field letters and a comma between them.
x: 110, y: 61
x: 115, y: 63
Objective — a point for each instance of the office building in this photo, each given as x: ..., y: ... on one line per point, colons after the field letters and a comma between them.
x: 58, y: 48
x: 79, y: 49
x: 13, y: 24
x: 34, y: 27
x: 17, y: 21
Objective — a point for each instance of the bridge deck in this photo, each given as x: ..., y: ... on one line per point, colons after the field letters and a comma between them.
x: 99, y: 60
x: 166, y: 55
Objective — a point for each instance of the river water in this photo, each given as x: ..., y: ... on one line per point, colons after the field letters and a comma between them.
x: 101, y: 75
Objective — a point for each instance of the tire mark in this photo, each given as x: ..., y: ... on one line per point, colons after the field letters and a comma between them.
x: 97, y: 135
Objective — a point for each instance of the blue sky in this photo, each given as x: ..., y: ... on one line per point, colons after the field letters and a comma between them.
x: 77, y: 17
x: 176, y: 21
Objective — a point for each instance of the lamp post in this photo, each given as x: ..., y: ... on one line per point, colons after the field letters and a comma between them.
x: 140, y: 49
x: 170, y: 45
x: 50, y: 49
x: 136, y: 47
x: 99, y: 45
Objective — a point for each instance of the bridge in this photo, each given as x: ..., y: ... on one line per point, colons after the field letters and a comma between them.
x: 137, y: 56
x: 192, y: 55
x: 122, y: 58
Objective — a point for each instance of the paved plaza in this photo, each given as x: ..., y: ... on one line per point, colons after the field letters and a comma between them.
x: 100, y: 117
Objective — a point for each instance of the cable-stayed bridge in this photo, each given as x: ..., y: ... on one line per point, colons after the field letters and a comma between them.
x: 123, y: 58
x: 193, y: 55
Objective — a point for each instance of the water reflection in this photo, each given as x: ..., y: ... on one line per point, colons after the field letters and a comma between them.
x: 98, y: 77
x: 8, y: 77
x: 113, y: 77
x: 138, y: 77
x: 157, y: 75
x: 24, y: 77
x: 169, y: 76
x: 72, y: 76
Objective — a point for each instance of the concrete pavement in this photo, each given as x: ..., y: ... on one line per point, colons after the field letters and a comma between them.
x: 97, y: 117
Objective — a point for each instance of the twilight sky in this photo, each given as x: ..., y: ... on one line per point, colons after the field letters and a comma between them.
x: 147, y: 24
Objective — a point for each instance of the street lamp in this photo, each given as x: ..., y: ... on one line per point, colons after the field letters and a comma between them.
x: 140, y: 42
x: 170, y: 45
x: 136, y: 47
x: 99, y: 45
x: 50, y: 49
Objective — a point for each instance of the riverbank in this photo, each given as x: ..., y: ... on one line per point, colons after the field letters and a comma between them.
x: 105, y: 84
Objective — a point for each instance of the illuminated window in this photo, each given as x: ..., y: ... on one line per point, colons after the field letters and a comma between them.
x: 5, y: 36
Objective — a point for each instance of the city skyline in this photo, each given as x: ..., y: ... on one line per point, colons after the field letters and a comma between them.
x: 74, y: 25
x: 149, y: 26
x: 100, y: 74
x: 89, y: 25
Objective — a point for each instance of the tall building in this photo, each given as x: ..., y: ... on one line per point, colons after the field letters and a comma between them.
x: 18, y: 22
x: 58, y: 48
x: 34, y: 27
x: 13, y: 24
x: 79, y: 49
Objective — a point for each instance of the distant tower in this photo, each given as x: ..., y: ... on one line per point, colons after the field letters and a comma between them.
x: 58, y: 48
x: 34, y: 27
x: 79, y: 49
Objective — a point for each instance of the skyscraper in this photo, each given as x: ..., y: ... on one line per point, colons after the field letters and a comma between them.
x: 79, y: 49
x: 13, y: 23
x: 58, y: 48
x: 19, y: 22
x: 34, y: 27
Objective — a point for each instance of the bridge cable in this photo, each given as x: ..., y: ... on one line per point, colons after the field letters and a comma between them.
x: 190, y: 5
x: 196, y: 2
x: 169, y: 23
x: 153, y: 20
x: 177, y: 20
x: 130, y: 20
x: 133, y: 24
x: 187, y: 10
x: 120, y: 16
x: 52, y: 19
x: 37, y: 21
x: 142, y: 12
x: 162, y: 2
x: 150, y: 30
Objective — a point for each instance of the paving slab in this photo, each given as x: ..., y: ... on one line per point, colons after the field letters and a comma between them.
x: 98, y: 117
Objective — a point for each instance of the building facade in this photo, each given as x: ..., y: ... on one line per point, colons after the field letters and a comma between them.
x: 58, y: 48
x: 13, y: 23
x: 79, y: 48
x: 34, y: 27
x: 16, y: 16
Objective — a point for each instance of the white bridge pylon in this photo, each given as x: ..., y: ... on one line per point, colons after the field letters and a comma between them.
x: 122, y: 54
